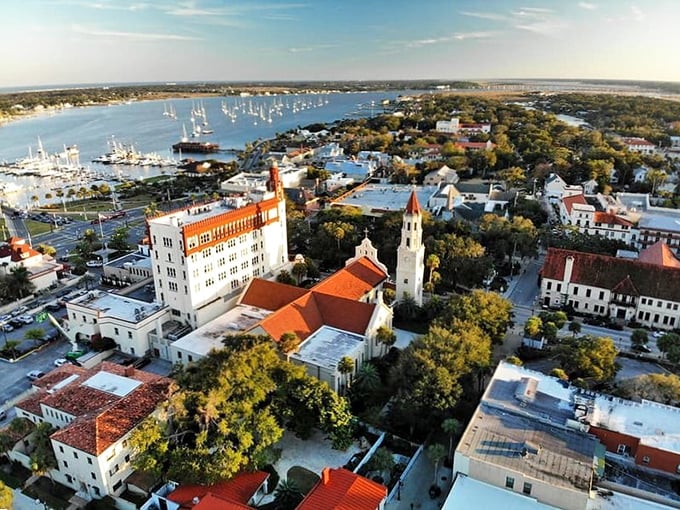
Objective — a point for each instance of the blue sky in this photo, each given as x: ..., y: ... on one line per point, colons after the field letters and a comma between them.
x: 46, y: 42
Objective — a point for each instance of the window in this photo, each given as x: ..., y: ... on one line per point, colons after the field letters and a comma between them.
x: 96, y: 490
x: 89, y: 460
x: 115, y: 330
x: 527, y: 488
x: 587, y: 292
x: 179, y: 355
x: 93, y: 475
x: 559, y: 287
x: 549, y: 285
x: 645, y: 459
x: 509, y: 482
x: 405, y: 280
x: 575, y: 291
x: 75, y: 455
x: 601, y: 294
x: 130, y: 334
x: 623, y: 449
x: 65, y: 464
x: 61, y: 449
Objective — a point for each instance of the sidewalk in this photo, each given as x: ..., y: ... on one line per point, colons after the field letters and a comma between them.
x: 414, y: 492
x: 23, y: 502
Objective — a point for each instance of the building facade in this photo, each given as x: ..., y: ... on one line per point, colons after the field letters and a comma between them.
x: 95, y: 412
x: 204, y: 255
x: 622, y: 289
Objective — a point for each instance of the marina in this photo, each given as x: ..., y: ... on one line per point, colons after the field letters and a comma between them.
x: 135, y: 140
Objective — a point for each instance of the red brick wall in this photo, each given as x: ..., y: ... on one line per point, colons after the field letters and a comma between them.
x: 612, y: 440
x: 658, y: 459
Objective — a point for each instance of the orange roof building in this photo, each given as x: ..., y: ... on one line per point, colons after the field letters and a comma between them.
x: 234, y: 494
x: 338, y: 317
x: 340, y: 489
x: 647, y: 290
x: 94, y: 411
x: 659, y: 254
x: 42, y: 269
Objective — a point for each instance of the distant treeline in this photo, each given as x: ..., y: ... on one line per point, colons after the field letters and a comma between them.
x: 10, y: 102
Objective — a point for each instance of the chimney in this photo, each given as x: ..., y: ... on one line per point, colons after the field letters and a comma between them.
x: 568, y: 269
x: 129, y: 371
x: 326, y: 476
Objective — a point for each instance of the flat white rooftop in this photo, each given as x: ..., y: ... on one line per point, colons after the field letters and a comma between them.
x: 112, y: 383
x: 387, y: 197
x: 117, y: 306
x: 196, y: 213
x: 468, y: 493
x: 209, y: 336
x: 327, y: 346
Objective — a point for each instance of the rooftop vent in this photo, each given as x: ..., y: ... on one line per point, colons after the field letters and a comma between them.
x: 526, y: 389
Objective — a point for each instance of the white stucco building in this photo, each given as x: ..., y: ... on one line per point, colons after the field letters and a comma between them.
x: 205, y: 254
x: 95, y: 412
x: 42, y: 269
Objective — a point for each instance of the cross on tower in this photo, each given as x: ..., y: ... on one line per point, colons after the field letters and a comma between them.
x: 365, y: 233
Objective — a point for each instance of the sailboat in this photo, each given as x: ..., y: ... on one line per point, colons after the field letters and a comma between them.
x: 206, y: 127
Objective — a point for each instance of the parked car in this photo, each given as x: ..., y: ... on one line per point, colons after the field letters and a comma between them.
x: 35, y: 374
x: 53, y: 306
x: 94, y: 263
x: 74, y: 355
x: 658, y: 334
x: 3, y: 414
x: 59, y: 362
x: 7, y: 328
x: 26, y: 319
x: 16, y: 322
x: 641, y: 348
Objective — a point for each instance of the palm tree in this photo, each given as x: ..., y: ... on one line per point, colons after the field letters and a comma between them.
x: 345, y: 367
x: 432, y: 264
x: 452, y: 427
x: 287, y: 495
x: 299, y: 270
x: 367, y: 380
x: 35, y: 334
x: 151, y: 210
x: 436, y: 453
x: 289, y: 343
x: 21, y: 282
x: 386, y: 337
x: 10, y: 348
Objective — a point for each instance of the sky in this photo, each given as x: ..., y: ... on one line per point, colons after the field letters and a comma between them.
x: 53, y: 42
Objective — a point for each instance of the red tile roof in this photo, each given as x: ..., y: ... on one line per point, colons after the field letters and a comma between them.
x: 659, y: 254
x: 238, y: 490
x: 314, y: 310
x: 609, y: 272
x: 636, y: 141
x: 340, y: 489
x: 270, y: 295
x: 413, y: 206
x: 574, y: 199
x: 610, y: 219
x: 214, y: 502
x: 352, y: 281
x: 475, y: 145
x: 101, y: 418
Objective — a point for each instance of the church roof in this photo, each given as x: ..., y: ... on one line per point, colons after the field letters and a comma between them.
x: 413, y: 206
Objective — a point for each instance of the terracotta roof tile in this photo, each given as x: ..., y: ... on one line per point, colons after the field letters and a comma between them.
x: 610, y: 219
x: 95, y: 432
x: 607, y: 272
x: 238, y: 490
x: 413, y: 206
x: 214, y: 502
x: 574, y: 199
x: 660, y: 254
x: 340, y: 489
x: 352, y: 281
x: 636, y: 141
x: 270, y: 295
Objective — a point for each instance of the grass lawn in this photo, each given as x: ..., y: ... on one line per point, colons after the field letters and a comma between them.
x: 38, y: 227
x: 136, y: 201
x: 303, y: 478
x: 55, y: 495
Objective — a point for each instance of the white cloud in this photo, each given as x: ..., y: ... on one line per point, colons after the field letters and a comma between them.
x: 587, y: 6
x: 133, y: 36
x: 485, y: 15
x: 306, y: 49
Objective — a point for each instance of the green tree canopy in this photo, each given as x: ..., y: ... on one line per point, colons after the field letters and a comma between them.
x: 488, y: 310
x: 229, y: 408
x: 588, y: 357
